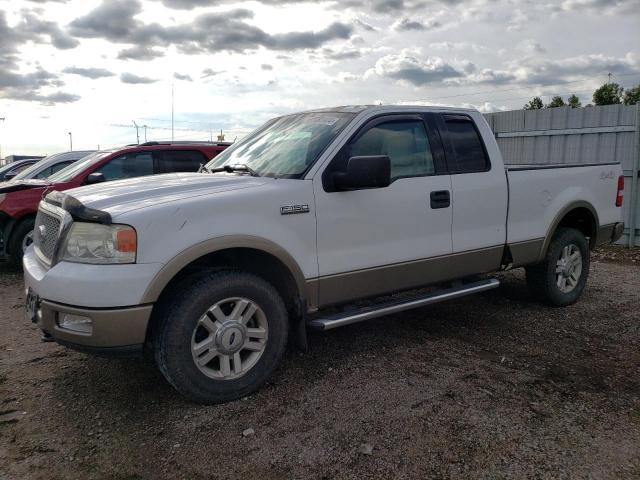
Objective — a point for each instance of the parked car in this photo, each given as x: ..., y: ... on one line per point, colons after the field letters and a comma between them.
x: 51, y: 164
x: 7, y: 172
x: 19, y: 199
x: 293, y: 226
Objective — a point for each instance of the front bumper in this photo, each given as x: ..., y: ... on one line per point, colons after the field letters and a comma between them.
x: 118, y: 328
x: 109, y: 296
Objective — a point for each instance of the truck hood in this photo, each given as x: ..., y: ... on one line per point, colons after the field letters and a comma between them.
x: 125, y: 195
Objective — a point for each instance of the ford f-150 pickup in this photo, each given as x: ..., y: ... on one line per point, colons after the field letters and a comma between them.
x: 292, y: 226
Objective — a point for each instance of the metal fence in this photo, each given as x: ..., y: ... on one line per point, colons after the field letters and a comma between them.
x: 567, y: 135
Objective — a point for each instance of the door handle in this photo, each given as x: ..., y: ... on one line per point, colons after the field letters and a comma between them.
x: 440, y: 199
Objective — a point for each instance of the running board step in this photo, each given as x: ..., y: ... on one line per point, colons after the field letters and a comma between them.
x: 367, y: 313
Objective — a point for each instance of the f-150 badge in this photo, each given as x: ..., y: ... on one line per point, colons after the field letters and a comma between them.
x: 291, y: 209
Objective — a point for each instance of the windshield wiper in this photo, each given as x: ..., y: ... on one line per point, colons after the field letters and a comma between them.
x: 241, y: 167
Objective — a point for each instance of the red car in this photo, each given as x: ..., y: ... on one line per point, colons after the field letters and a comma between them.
x: 19, y: 200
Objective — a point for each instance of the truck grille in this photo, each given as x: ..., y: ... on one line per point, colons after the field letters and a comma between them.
x: 45, y: 234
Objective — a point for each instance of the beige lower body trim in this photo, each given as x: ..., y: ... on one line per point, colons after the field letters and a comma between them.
x: 345, y: 287
x: 111, y: 328
x: 525, y: 253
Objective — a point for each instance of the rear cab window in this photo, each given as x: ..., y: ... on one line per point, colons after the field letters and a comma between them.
x: 466, y: 152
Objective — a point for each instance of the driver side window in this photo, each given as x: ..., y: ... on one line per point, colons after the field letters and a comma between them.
x: 128, y: 166
x: 404, y: 142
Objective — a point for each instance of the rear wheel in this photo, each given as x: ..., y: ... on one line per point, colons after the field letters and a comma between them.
x: 221, y: 336
x: 20, y: 239
x: 561, y: 277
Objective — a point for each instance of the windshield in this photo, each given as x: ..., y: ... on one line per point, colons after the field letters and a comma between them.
x: 68, y: 173
x: 285, y: 147
x: 6, y: 168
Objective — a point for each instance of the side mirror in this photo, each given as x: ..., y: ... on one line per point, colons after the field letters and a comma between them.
x: 9, y: 176
x: 95, y: 177
x: 364, y: 172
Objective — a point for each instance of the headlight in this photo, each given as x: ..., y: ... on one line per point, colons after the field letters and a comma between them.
x: 101, y: 244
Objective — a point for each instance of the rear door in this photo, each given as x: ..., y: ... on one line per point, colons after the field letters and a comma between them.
x: 366, y: 236
x: 170, y: 161
x: 480, y: 192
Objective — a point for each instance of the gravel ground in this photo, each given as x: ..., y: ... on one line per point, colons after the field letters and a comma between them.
x: 493, y: 386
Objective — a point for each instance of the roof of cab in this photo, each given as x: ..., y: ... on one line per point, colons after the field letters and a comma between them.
x: 390, y: 108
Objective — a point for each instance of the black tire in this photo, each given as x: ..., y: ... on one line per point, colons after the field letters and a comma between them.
x: 15, y: 241
x: 542, y: 277
x: 191, y: 298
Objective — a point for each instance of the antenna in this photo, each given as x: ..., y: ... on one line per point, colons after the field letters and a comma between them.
x: 145, y: 133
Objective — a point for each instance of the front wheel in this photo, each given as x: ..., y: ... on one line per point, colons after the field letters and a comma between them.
x: 20, y: 239
x: 561, y: 277
x: 221, y: 336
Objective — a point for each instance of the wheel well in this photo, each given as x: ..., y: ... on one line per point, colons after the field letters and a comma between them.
x: 13, y: 227
x: 581, y: 219
x: 258, y: 262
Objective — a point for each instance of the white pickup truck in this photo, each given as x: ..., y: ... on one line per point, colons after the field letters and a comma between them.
x: 291, y: 226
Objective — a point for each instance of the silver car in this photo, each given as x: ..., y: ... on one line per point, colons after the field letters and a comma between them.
x: 50, y: 165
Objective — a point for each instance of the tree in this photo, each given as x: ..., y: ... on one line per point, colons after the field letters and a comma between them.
x: 632, y: 96
x: 608, y: 94
x: 556, y: 101
x: 573, y: 101
x: 534, y: 104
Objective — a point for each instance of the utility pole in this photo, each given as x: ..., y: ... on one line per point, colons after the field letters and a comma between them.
x: 172, y: 100
x: 137, y: 135
x: 609, y: 75
x: 2, y: 119
x: 145, y: 133
x: 70, y: 142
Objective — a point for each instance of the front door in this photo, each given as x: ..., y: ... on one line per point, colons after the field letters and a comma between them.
x: 375, y: 240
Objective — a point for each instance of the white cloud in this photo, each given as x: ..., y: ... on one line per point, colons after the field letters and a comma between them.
x: 91, y: 66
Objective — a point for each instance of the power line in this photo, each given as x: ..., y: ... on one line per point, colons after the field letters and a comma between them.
x: 521, y: 88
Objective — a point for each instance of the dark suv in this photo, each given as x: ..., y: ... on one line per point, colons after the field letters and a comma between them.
x: 19, y: 199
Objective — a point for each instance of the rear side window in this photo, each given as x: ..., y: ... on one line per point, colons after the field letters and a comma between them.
x: 181, y: 161
x: 128, y: 166
x: 467, y: 145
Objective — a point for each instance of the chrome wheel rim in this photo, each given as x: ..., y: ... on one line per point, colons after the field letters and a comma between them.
x: 569, y: 268
x: 27, y: 240
x: 229, y: 338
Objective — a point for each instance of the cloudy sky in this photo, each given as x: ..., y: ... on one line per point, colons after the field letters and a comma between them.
x: 94, y: 67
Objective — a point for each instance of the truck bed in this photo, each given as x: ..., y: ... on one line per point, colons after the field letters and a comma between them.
x: 541, y: 194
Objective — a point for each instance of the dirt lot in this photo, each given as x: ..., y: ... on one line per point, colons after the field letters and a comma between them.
x: 494, y: 386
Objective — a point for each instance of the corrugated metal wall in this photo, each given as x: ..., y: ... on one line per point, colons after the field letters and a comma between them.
x: 574, y: 135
